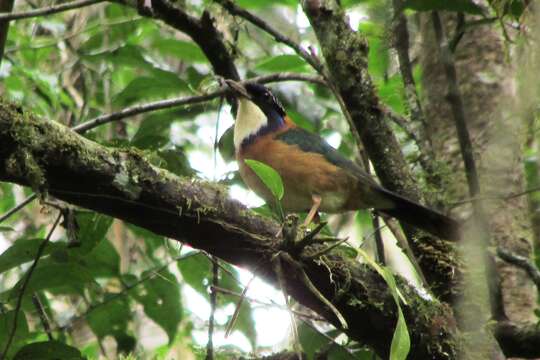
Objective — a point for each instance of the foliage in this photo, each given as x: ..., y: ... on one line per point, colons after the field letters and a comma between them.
x: 116, y: 279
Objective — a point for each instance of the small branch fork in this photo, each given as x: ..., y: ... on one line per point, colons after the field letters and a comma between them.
x: 521, y: 262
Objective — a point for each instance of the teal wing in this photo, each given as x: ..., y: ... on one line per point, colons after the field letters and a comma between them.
x: 310, y: 142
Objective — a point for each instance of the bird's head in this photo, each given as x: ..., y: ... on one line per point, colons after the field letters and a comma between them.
x: 259, y: 112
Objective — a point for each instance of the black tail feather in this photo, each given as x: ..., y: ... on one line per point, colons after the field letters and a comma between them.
x: 422, y: 217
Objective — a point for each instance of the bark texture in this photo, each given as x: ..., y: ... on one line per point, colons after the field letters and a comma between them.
x: 121, y: 183
x: 345, y: 52
x: 487, y: 84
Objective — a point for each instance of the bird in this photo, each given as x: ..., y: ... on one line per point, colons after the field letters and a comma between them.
x: 316, y: 177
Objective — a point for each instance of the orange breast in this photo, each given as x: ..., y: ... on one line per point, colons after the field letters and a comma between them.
x: 303, y: 174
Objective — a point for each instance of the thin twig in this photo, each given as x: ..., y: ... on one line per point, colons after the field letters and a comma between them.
x: 455, y: 100
x: 232, y: 8
x: 42, y: 316
x: 101, y: 25
x: 521, y: 262
x: 404, y: 245
x: 49, y: 10
x: 313, y: 289
x: 170, y: 103
x: 126, y: 288
x: 423, y: 139
x: 213, y: 306
x: 236, y: 313
x: 272, y: 304
x: 278, y: 269
x: 26, y: 280
x: 379, y: 243
x: 327, y: 249
x: 25, y: 202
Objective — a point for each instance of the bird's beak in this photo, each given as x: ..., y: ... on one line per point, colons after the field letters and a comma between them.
x: 237, y: 88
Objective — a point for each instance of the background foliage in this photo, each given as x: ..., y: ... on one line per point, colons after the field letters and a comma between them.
x: 100, y: 283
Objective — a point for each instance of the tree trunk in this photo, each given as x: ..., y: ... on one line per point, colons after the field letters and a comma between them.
x: 487, y: 83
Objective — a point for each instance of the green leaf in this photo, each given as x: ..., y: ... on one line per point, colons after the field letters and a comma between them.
x: 313, y: 341
x: 7, y: 199
x: 48, y: 350
x: 378, y: 57
x: 195, y: 271
x: 70, y: 277
x: 185, y: 50
x: 226, y: 145
x: 153, y: 132
x: 102, y: 261
x: 22, y: 251
x: 254, y: 4
x: 176, y: 162
x: 300, y: 120
x: 111, y: 318
x: 401, y: 342
x: 6, y: 324
x: 160, y: 296
x: 92, y: 229
x: 282, y: 63
x: 146, y: 87
x: 268, y: 176
x: 467, y: 6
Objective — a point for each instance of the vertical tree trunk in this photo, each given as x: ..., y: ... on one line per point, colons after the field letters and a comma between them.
x: 487, y: 82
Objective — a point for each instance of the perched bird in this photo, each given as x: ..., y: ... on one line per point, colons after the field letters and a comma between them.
x: 314, y: 174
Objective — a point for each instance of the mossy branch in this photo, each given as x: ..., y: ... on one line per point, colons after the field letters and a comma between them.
x: 123, y: 184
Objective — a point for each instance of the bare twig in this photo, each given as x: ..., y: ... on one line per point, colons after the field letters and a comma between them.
x: 423, y: 139
x: 101, y: 25
x: 378, y: 238
x: 465, y: 144
x: 127, y: 288
x: 313, y: 289
x: 170, y: 103
x: 42, y: 316
x: 232, y: 8
x: 272, y: 304
x: 24, y: 284
x: 458, y: 109
x: 404, y: 245
x: 49, y: 10
x: 327, y: 249
x: 213, y: 305
x: 231, y: 323
x: 25, y: 202
x: 521, y: 262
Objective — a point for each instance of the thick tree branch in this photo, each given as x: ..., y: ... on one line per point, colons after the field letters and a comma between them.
x: 121, y: 183
x: 345, y: 52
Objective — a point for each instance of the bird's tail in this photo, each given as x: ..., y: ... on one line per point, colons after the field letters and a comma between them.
x: 421, y: 217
